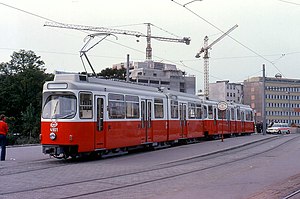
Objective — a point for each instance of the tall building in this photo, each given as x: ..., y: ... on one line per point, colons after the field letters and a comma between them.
x: 282, y: 99
x: 159, y: 74
x: 226, y: 91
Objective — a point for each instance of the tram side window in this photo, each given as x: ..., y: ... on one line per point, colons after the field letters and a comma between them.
x: 132, y: 106
x: 86, y: 106
x: 174, y: 109
x: 192, y: 110
x: 238, y: 114
x: 198, y: 111
x: 242, y: 115
x: 116, y: 106
x: 210, y: 112
x: 221, y: 114
x: 158, y: 108
x: 228, y: 114
x: 232, y: 114
x: 204, y: 111
x: 248, y: 115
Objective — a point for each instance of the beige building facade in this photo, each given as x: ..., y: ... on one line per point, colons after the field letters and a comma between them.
x: 282, y: 98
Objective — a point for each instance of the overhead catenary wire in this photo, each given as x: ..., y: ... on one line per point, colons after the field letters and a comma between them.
x: 290, y: 2
x: 27, y: 12
x: 110, y: 57
x: 153, y: 25
x: 51, y: 20
x: 48, y: 19
x: 216, y: 27
x: 248, y: 56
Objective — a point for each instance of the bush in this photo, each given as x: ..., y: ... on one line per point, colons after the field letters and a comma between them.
x: 11, y: 139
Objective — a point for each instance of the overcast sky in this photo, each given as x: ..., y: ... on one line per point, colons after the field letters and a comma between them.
x: 268, y: 33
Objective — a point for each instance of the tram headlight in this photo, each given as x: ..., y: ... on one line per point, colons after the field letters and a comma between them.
x: 52, y: 136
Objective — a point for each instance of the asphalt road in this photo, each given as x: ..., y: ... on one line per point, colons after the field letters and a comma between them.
x: 253, y: 166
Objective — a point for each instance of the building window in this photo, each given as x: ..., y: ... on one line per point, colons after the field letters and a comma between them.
x: 154, y: 82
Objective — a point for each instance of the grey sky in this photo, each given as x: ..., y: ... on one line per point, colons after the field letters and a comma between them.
x: 268, y: 32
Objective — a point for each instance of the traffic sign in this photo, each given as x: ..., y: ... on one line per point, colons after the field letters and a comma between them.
x: 222, y: 106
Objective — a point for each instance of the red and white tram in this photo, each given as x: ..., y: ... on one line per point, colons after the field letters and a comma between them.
x: 84, y: 114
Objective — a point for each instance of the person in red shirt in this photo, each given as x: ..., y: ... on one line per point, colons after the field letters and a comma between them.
x: 3, y: 133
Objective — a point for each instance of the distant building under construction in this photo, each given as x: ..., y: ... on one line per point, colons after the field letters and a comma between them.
x: 157, y: 74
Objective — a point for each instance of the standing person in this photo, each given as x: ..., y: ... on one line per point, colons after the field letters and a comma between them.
x: 3, y: 132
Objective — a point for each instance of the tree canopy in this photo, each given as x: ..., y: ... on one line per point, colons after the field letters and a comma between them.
x: 21, y: 83
x: 113, y: 73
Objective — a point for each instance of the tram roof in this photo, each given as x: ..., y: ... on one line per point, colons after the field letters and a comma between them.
x: 83, y: 82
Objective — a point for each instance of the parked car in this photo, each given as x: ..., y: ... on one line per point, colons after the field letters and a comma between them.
x: 279, y: 128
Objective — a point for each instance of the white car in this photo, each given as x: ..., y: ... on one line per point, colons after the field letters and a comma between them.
x: 279, y: 128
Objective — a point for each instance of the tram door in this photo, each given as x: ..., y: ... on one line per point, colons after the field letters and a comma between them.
x: 183, y: 122
x: 146, y: 120
x: 99, y: 132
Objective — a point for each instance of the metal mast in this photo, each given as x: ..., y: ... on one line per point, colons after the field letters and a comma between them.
x: 204, y: 50
x: 206, y: 68
x: 149, y: 48
x: 110, y: 31
x: 103, y: 30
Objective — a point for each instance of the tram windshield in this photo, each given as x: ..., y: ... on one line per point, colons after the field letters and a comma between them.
x: 59, y: 107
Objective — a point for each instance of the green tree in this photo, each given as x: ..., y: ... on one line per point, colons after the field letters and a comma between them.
x: 21, y: 82
x: 30, y: 124
x: 113, y: 73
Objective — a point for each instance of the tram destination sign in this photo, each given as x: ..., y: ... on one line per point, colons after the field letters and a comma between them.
x: 222, y: 106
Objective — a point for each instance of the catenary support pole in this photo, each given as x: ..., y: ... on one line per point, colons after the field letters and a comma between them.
x: 264, y: 101
x: 127, y: 69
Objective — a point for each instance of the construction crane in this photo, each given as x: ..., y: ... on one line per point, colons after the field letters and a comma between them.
x: 204, y: 50
x: 185, y: 40
x: 110, y: 31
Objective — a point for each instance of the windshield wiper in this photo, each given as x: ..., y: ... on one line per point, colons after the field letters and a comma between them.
x: 54, y: 110
x: 68, y: 115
